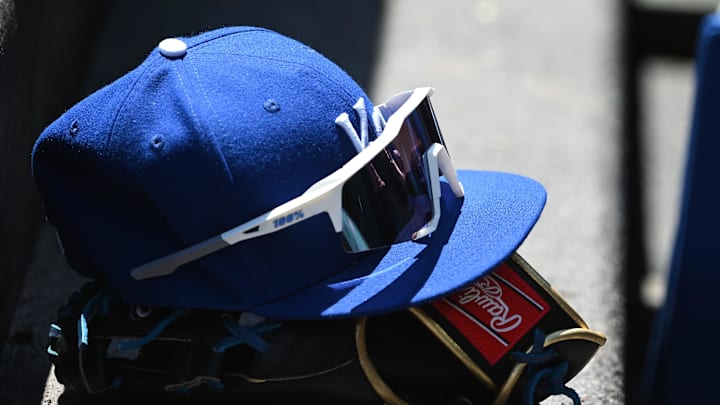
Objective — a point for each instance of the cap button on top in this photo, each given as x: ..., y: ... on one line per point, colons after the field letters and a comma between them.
x: 172, y: 48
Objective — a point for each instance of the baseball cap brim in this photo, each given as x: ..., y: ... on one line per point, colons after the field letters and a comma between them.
x: 474, y: 235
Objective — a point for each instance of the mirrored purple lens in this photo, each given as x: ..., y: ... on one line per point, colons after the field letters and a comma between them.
x: 389, y: 199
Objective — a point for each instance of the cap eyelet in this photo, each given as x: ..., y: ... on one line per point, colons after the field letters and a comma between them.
x: 74, y: 128
x: 271, y: 106
x: 157, y: 143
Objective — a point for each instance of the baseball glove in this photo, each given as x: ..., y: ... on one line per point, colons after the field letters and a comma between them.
x: 507, y: 338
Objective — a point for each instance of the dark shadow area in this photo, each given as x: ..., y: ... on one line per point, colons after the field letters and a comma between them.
x: 42, y: 63
x: 51, y: 56
x: 646, y: 32
x: 347, y: 32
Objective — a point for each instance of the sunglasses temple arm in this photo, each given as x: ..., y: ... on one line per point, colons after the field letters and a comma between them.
x: 316, y: 200
x: 447, y: 169
x: 168, y: 264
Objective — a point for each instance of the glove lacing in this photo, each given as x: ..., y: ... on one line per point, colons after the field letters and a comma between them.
x: 549, y: 378
x: 99, y: 305
x: 250, y: 335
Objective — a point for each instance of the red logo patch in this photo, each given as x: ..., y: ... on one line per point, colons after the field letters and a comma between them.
x: 493, y: 313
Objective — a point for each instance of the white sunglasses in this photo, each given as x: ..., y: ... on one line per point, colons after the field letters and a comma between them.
x: 388, y: 193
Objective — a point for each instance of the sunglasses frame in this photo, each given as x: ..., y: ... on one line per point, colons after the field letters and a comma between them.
x: 325, y: 196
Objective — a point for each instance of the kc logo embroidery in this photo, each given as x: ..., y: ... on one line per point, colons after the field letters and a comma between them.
x: 494, y: 312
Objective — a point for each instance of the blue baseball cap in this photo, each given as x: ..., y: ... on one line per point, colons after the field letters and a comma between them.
x: 213, y: 130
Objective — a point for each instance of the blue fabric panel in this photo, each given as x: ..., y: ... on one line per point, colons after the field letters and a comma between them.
x: 684, y: 355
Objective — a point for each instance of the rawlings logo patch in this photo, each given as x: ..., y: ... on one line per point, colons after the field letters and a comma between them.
x: 487, y: 295
x: 494, y: 312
